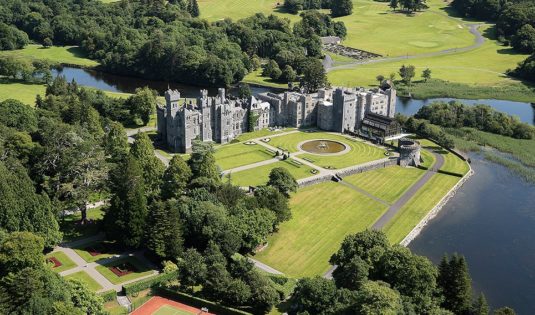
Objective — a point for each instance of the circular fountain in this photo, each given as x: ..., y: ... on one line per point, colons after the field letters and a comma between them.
x: 323, y: 146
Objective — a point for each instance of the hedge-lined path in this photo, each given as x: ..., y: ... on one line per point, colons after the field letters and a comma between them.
x: 90, y: 268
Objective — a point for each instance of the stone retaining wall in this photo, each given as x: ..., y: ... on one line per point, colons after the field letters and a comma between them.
x: 436, y: 209
x: 314, y: 180
x: 368, y: 167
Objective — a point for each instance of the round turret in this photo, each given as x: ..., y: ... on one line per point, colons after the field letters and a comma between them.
x: 409, y: 152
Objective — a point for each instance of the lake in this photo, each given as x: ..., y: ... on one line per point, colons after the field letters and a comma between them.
x: 406, y: 106
x: 491, y: 221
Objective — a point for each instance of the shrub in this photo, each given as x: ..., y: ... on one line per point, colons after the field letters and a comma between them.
x: 109, y: 295
x: 141, y: 285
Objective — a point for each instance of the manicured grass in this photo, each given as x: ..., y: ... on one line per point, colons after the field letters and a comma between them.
x: 106, y: 247
x: 428, y: 158
x: 239, y: 154
x: 261, y: 133
x: 360, y: 152
x: 386, y: 183
x: 260, y: 175
x: 214, y: 10
x: 85, y: 278
x: 322, y: 215
x: 56, y: 54
x: 255, y: 77
x: 73, y: 230
x: 27, y: 92
x: 142, y: 270
x: 418, y: 206
x: 452, y: 163
x: 66, y: 262
x: 483, y: 66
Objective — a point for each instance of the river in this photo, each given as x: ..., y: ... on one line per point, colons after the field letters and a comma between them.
x: 491, y: 221
x: 116, y: 83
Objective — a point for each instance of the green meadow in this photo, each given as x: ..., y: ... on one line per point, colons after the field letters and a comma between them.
x: 56, y: 54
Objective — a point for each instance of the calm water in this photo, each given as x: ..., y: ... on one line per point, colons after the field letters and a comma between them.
x: 116, y: 83
x: 491, y: 221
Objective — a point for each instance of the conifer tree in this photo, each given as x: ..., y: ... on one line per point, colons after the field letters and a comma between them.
x: 175, y: 178
x: 164, y: 232
x: 455, y: 283
x: 152, y: 167
x: 124, y: 221
x: 193, y: 8
x: 202, y: 161
x: 480, y: 306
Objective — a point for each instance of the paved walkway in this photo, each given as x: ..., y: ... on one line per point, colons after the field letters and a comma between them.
x: 265, y: 267
x: 90, y: 268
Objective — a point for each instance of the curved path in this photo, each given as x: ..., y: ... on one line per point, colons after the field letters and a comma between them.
x: 473, y: 28
x: 394, y: 209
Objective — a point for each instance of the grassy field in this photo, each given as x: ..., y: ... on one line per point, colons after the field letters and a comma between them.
x: 255, y: 77
x: 428, y: 158
x: 386, y: 183
x: 322, y: 215
x: 482, y: 66
x: 66, y: 262
x: 239, y: 154
x: 85, y: 278
x: 142, y: 270
x: 260, y: 175
x: 452, y: 163
x: 360, y: 152
x: 418, y: 206
x: 27, y: 92
x: 214, y: 10
x: 55, y: 54
x: 103, y: 247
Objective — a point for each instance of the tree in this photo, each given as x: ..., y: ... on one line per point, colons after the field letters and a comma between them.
x: 288, y: 74
x: 426, y: 74
x: 192, y: 269
x: 124, y: 220
x: 175, y: 178
x: 271, y: 69
x: 407, y: 73
x: 380, y: 78
x: 524, y: 39
x: 352, y: 275
x: 47, y: 42
x: 17, y: 115
x: 480, y: 306
x: 316, y: 296
x: 142, y: 104
x: 20, y: 250
x: 116, y: 141
x: 281, y: 179
x: 244, y: 90
x: 341, y: 7
x: 152, y: 167
x: 271, y: 198
x: 504, y: 311
x: 202, y: 161
x: 454, y: 280
x: 193, y: 8
x: 368, y: 245
x: 164, y: 232
x: 394, y: 4
x: 314, y: 76
x: 376, y: 297
x: 84, y: 299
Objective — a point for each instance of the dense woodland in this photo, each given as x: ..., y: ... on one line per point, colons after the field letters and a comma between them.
x: 337, y: 7
x: 159, y: 40
x: 514, y: 24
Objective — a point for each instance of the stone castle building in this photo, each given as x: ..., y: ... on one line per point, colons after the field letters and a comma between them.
x: 221, y: 119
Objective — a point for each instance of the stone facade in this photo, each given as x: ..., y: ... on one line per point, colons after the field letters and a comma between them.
x: 222, y: 119
x: 409, y: 152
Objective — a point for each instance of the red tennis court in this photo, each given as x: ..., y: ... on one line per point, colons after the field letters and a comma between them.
x: 161, y: 306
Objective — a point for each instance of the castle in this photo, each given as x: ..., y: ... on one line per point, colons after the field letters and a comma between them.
x: 220, y: 118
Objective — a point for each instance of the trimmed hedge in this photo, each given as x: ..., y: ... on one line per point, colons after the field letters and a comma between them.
x: 198, y: 302
x: 109, y: 295
x: 141, y: 285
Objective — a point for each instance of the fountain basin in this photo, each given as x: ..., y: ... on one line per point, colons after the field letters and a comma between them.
x: 323, y: 146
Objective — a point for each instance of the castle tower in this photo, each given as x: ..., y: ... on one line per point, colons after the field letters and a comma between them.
x: 391, y: 93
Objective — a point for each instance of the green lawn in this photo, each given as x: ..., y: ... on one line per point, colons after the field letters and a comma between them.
x: 56, y: 54
x: 142, y: 270
x: 261, y: 133
x: 386, y: 183
x: 360, y: 152
x: 27, y: 92
x: 452, y: 163
x: 260, y: 175
x: 85, y: 278
x: 214, y: 10
x: 239, y: 154
x: 73, y: 230
x: 322, y: 215
x: 418, y: 206
x: 66, y: 262
x: 104, y: 248
x: 255, y: 77
x: 428, y: 158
